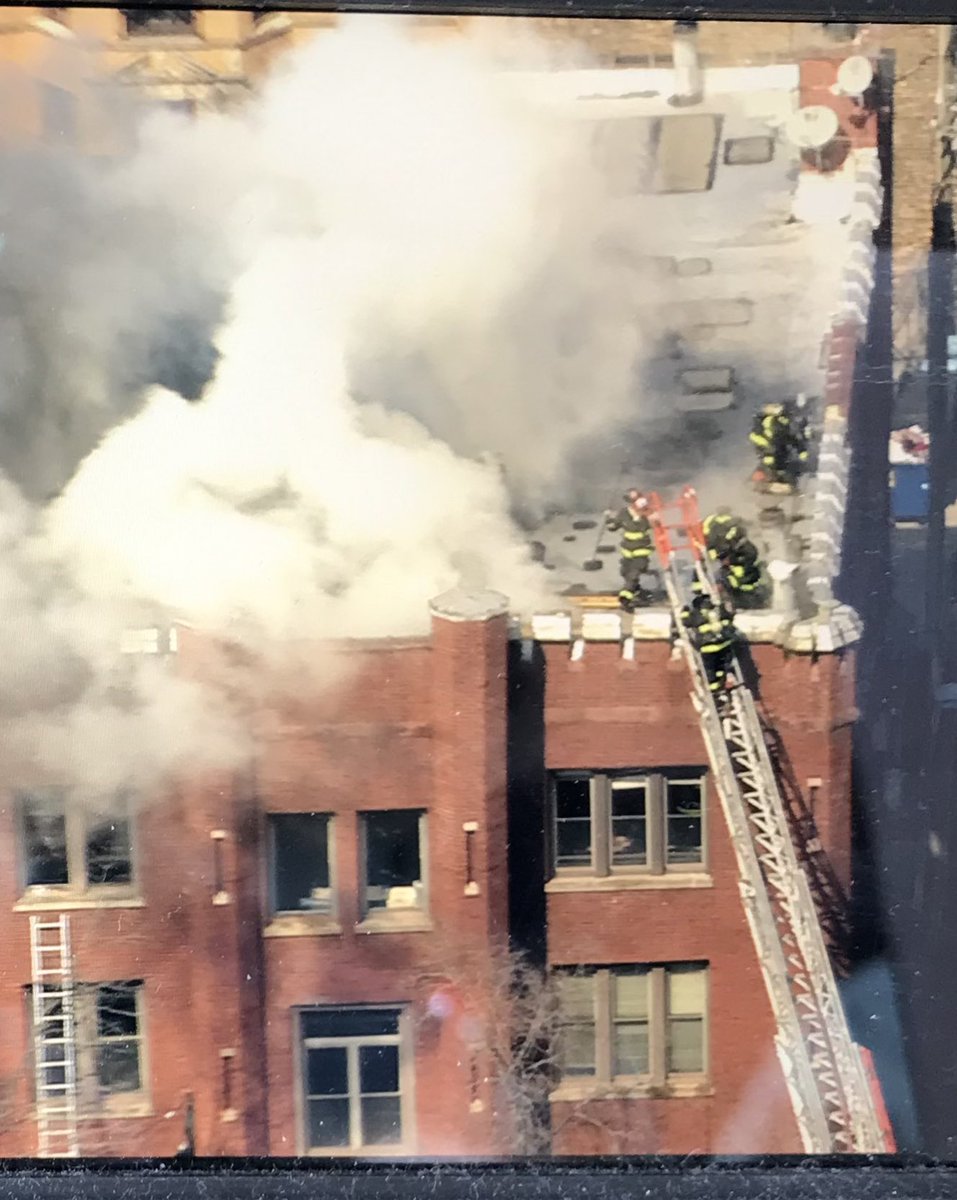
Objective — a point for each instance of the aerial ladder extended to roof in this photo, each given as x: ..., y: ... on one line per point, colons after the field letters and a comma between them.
x: 829, y: 1087
x: 54, y: 1037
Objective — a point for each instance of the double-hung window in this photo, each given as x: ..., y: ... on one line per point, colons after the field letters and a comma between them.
x: 627, y: 822
x: 355, y: 1080
x: 635, y: 1024
x: 71, y: 846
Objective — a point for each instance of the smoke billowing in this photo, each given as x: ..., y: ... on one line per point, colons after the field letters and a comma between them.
x: 403, y: 275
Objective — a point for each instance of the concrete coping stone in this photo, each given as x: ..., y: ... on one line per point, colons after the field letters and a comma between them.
x: 459, y: 604
x: 834, y: 627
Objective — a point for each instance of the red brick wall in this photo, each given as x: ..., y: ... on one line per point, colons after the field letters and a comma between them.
x: 180, y: 945
x: 422, y: 724
x: 603, y: 712
x: 410, y: 724
x: 452, y: 763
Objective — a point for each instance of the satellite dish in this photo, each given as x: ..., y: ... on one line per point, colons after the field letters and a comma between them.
x: 812, y: 127
x: 854, y: 75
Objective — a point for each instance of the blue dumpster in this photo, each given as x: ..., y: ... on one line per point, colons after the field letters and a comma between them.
x: 910, y: 492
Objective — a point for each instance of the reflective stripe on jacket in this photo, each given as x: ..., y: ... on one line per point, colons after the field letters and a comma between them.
x: 635, y: 533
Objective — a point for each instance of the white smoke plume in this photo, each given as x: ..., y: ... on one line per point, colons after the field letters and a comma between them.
x: 428, y: 271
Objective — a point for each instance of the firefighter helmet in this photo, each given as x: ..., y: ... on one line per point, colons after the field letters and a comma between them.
x: 635, y: 498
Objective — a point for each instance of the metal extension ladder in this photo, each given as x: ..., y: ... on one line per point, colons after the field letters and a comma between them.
x: 829, y: 1088
x: 54, y: 1037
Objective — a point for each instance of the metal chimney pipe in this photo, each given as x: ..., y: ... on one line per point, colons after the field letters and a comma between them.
x: 688, y: 78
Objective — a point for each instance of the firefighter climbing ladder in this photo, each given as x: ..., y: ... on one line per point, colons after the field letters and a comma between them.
x: 54, y: 1037
x: 826, y: 1078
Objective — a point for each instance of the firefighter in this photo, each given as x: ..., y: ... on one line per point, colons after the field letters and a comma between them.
x: 799, y: 432
x: 711, y: 629
x: 771, y: 436
x: 742, y: 572
x: 721, y: 529
x: 635, y: 549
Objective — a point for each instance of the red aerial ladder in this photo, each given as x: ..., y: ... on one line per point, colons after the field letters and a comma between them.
x: 831, y: 1092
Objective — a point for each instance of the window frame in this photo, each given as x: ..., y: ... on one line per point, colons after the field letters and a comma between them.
x: 285, y: 914
x: 658, y: 1077
x: 157, y: 27
x: 402, y: 1039
x: 93, y: 1103
x: 395, y: 916
x: 77, y: 825
x: 601, y: 793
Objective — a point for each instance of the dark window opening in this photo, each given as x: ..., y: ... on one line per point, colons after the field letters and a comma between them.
x: 573, y: 822
x: 44, y: 837
x: 66, y: 845
x: 108, y: 1036
x: 118, y: 1037
x: 300, y: 862
x: 352, y: 1078
x: 393, y: 860
x: 108, y: 851
x: 158, y: 20
x: 629, y: 822
x: 648, y: 823
x: 684, y: 821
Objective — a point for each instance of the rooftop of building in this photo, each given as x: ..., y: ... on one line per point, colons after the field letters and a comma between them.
x: 753, y: 251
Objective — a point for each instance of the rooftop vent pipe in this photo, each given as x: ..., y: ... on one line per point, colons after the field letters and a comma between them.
x: 688, y: 80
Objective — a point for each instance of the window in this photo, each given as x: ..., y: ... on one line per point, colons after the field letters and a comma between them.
x: 158, y: 21
x: 393, y: 851
x: 109, y: 1046
x: 645, y: 1024
x: 629, y: 823
x: 69, y: 845
x: 299, y: 858
x: 180, y: 108
x: 353, y: 1072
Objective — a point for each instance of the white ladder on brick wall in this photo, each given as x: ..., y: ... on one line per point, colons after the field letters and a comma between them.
x: 54, y: 1037
x: 830, y: 1092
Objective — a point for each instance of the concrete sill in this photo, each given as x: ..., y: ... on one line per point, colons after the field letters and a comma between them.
x: 51, y: 903
x: 576, y: 1092
x: 302, y: 926
x: 629, y: 883
x: 396, y: 923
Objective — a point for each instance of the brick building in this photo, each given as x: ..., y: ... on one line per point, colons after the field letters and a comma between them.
x: 301, y: 956
x: 329, y: 913
x: 327, y: 905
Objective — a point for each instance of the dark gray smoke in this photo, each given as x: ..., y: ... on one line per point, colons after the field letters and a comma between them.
x: 102, y: 292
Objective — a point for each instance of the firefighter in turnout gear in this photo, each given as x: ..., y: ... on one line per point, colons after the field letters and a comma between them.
x: 721, y: 530
x: 711, y: 629
x: 799, y: 432
x: 772, y: 437
x: 635, y: 549
x: 742, y: 572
